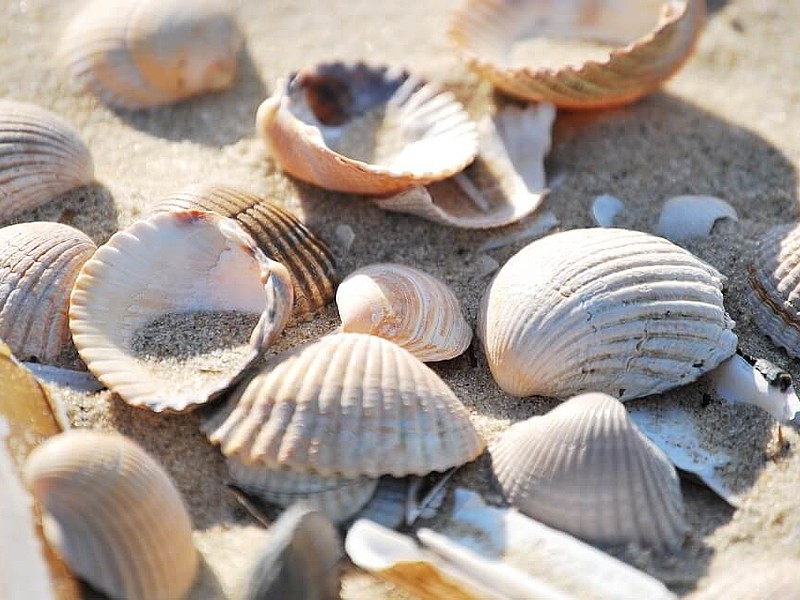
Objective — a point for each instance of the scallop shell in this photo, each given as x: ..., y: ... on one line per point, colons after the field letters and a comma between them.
x: 169, y: 263
x: 349, y: 404
x: 39, y: 263
x: 652, y: 40
x: 610, y: 310
x: 41, y: 156
x: 687, y: 217
x: 279, y: 234
x: 114, y: 515
x: 140, y: 53
x: 406, y: 306
x: 585, y: 468
x: 409, y: 133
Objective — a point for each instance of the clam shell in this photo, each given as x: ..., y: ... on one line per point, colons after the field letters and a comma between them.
x: 41, y: 156
x: 279, y: 234
x: 652, y: 40
x: 114, y: 515
x: 39, y: 263
x: 406, y: 306
x: 349, y: 404
x: 586, y: 469
x: 610, y: 310
x: 139, y: 53
x: 687, y: 217
x: 421, y: 134
x: 169, y: 263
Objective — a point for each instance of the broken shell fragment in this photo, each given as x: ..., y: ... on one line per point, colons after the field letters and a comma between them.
x: 605, y: 210
x: 687, y: 217
x: 365, y: 129
x: 610, y: 310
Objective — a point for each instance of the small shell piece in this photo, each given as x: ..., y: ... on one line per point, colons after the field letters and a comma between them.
x: 652, y: 38
x: 365, y: 130
x: 41, y: 156
x: 405, y: 306
x: 586, y: 469
x: 686, y: 217
x: 114, y: 514
x: 140, y: 53
x: 605, y: 210
x: 610, y: 310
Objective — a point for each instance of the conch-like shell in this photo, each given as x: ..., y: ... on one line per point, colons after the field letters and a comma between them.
x: 169, y: 263
x: 278, y: 232
x: 405, y: 306
x: 41, y: 156
x: 653, y: 38
x: 420, y: 135
x: 139, y: 53
x: 39, y: 263
x: 586, y: 469
x: 610, y: 310
x: 114, y: 514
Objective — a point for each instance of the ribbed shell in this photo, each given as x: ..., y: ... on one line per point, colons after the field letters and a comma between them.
x: 39, y: 263
x: 430, y: 136
x: 278, y: 232
x: 114, y: 514
x: 406, y: 306
x: 140, y: 53
x: 484, y: 30
x: 586, y: 469
x: 349, y: 404
x: 41, y: 156
x: 610, y: 310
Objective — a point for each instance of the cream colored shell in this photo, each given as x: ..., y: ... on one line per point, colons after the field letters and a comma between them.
x: 586, y: 469
x: 405, y: 306
x: 610, y: 310
x: 114, y: 514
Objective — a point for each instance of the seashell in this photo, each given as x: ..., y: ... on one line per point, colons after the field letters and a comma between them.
x: 777, y: 578
x: 406, y: 306
x: 139, y: 53
x: 114, y: 515
x: 279, y: 234
x: 605, y: 209
x: 171, y: 263
x: 686, y: 217
x: 610, y: 310
x: 39, y: 263
x: 42, y: 157
x: 651, y: 40
x: 586, y: 469
x: 348, y: 404
x: 365, y: 129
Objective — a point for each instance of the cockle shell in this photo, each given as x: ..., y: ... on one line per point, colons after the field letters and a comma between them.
x: 114, y: 514
x: 405, y: 306
x: 610, y: 310
x: 140, y: 53
x: 652, y: 39
x: 39, y: 263
x: 41, y: 156
x: 586, y: 469
x: 279, y: 234
x: 169, y: 263
x: 420, y: 135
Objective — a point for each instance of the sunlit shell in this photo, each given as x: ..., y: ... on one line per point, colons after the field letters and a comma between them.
x: 39, y: 263
x: 140, y: 53
x: 114, y: 515
x: 41, y: 156
x: 648, y: 42
x: 686, y: 217
x: 405, y: 306
x: 586, y: 469
x: 610, y: 310
x: 365, y: 130
x: 171, y: 263
x: 278, y: 232
x: 349, y: 404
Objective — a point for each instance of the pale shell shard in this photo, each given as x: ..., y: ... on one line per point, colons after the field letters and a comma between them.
x: 586, y: 469
x: 610, y: 310
x: 687, y: 217
x: 605, y: 210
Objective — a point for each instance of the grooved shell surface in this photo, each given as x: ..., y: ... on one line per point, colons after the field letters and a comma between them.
x: 611, y: 310
x: 586, y: 469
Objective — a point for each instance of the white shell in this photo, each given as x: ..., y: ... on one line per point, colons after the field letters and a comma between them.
x: 610, y: 310
x: 605, y: 209
x: 686, y: 217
